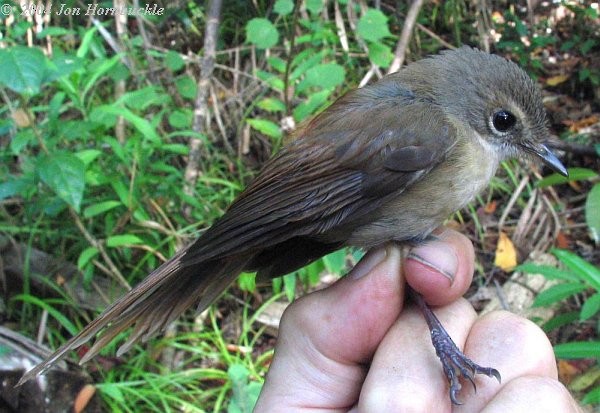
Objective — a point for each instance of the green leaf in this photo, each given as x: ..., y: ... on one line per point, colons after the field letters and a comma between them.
x: 289, y: 286
x: 123, y: 240
x: 64, y: 173
x: 315, y: 101
x: 593, y: 397
x: 23, y: 69
x: 578, y: 350
x: 575, y: 174
x: 143, y: 98
x: 98, y: 72
x: 557, y: 293
x: 551, y: 273
x: 141, y: 124
x: 186, y: 87
x: 88, y: 156
x: 64, y: 321
x: 277, y: 63
x: 113, y: 391
x: 14, y: 187
x: 21, y: 139
x: 177, y: 148
x: 265, y: 127
x: 174, y: 61
x: 590, y: 307
x: 53, y: 31
x: 85, y: 256
x: 373, y: 26
x: 100, y: 208
x: 314, y: 6
x: 336, y: 261
x: 181, y: 119
x: 587, y: 272
x: 245, y: 392
x: 262, y: 33
x: 325, y: 76
x: 283, y: 7
x: 271, y: 105
x: 560, y: 320
x: 380, y: 54
x: 247, y: 281
x: 592, y: 212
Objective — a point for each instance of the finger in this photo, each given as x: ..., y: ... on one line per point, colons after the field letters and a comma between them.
x: 513, y: 345
x: 405, y: 374
x: 533, y: 394
x: 326, y: 338
x: 441, y: 269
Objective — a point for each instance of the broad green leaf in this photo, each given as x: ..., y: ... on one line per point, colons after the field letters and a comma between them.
x: 86, y: 42
x: 143, y: 98
x: 181, y: 119
x: 283, y: 7
x: 580, y: 267
x: 265, y: 127
x: 23, y: 69
x: 271, y: 105
x: 314, y: 6
x: 314, y: 102
x: 578, y: 350
x: 123, y: 240
x: 100, y: 208
x: 64, y: 173
x: 247, y: 281
x: 14, y: 187
x: 245, y: 392
x: 88, y: 156
x: 86, y: 255
x: 262, y: 33
x: 380, y: 54
x: 590, y: 307
x: 186, y: 87
x: 174, y: 61
x: 62, y: 65
x: 373, y: 26
x: 575, y: 174
x: 324, y: 76
x: 592, y: 212
x: 21, y: 139
x: 277, y: 63
x: 557, y: 293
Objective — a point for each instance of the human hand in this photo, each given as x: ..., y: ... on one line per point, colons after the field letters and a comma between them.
x: 356, y: 346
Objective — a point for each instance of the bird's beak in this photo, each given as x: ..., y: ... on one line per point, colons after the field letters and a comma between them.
x: 548, y: 157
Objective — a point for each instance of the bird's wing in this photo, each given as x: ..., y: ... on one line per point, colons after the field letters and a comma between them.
x: 336, y: 171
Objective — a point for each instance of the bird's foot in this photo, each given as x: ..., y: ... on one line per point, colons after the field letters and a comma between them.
x: 454, y: 362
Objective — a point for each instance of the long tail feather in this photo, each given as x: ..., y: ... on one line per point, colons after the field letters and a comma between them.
x: 154, y: 303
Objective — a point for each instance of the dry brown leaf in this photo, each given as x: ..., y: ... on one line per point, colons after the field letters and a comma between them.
x: 83, y: 398
x: 557, y: 80
x: 21, y: 118
x: 506, y: 253
x: 563, y: 241
x: 490, y: 207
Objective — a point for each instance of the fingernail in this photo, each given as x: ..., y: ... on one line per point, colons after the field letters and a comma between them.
x: 368, y: 262
x: 437, y: 255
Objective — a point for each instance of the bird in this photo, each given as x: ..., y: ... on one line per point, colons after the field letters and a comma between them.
x: 388, y: 162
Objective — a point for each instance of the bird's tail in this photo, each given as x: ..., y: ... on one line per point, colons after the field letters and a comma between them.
x: 160, y: 298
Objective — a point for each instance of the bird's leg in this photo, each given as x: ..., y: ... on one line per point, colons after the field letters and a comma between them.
x: 454, y: 362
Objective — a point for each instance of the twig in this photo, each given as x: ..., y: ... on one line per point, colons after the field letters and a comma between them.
x: 201, y: 113
x: 407, y: 29
x: 288, y: 64
x: 512, y: 201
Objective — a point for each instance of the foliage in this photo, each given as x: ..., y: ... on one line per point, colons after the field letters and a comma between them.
x: 578, y: 277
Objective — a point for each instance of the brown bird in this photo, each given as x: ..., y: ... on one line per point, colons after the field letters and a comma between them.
x: 387, y: 162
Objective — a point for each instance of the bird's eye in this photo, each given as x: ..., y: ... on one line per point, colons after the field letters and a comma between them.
x: 503, y: 120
